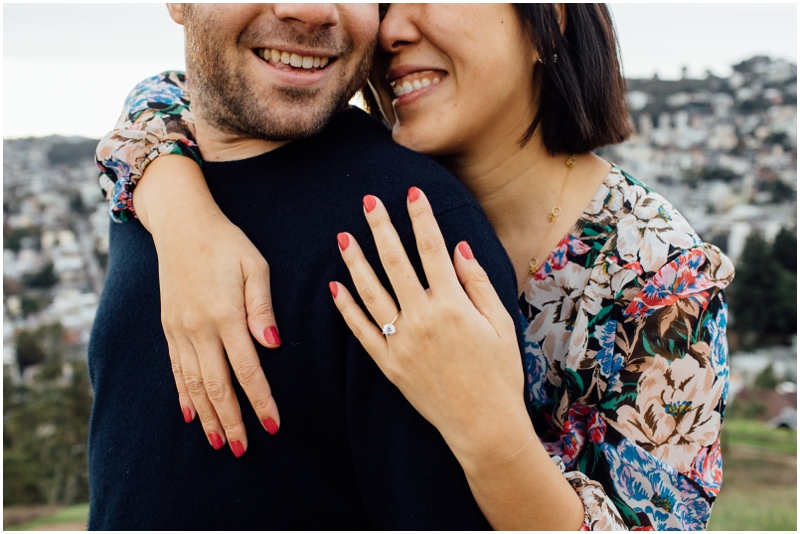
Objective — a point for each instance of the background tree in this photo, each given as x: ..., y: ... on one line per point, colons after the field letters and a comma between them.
x: 42, y: 279
x: 29, y: 350
x: 46, y: 426
x: 767, y: 379
x: 754, y: 288
x: 784, y: 249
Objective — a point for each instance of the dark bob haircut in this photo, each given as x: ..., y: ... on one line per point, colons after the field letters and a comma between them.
x: 581, y: 87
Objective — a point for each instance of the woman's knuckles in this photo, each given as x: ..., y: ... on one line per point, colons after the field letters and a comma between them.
x: 194, y: 384
x: 430, y: 245
x: 369, y: 294
x: 218, y: 391
x: 177, y: 370
x: 262, y: 310
x: 392, y: 259
x: 248, y: 374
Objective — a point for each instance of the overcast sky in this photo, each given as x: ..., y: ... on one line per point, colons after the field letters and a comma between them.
x: 68, y: 67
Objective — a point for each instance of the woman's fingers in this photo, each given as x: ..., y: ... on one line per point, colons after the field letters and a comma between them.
x: 430, y: 243
x: 219, y: 389
x: 247, y: 367
x: 184, y: 399
x: 478, y: 286
x: 258, y: 302
x: 378, y: 301
x: 193, y: 377
x: 392, y: 253
x: 369, y: 335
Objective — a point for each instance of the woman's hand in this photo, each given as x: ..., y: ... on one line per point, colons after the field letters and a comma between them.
x: 455, y: 357
x: 214, y: 294
x: 455, y: 354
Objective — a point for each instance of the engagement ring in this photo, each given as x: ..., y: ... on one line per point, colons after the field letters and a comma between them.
x: 389, y: 329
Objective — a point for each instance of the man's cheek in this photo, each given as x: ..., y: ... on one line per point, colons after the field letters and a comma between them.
x: 364, y: 22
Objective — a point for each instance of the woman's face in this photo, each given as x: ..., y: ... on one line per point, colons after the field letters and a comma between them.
x: 450, y: 77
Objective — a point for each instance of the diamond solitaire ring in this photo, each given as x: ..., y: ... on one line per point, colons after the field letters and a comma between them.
x: 389, y: 329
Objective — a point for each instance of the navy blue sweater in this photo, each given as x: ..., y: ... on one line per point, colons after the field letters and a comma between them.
x: 351, y: 451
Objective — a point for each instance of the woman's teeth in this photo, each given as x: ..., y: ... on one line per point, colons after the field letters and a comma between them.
x: 279, y: 57
x: 403, y: 86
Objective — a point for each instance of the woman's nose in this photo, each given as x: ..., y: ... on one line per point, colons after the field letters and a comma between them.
x: 399, y: 27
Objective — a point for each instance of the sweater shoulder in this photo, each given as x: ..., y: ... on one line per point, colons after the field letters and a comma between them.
x: 391, y: 169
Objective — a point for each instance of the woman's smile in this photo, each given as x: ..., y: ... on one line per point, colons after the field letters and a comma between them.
x: 410, y: 87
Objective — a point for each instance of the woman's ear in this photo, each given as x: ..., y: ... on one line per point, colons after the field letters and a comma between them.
x: 176, y: 12
x: 561, y: 16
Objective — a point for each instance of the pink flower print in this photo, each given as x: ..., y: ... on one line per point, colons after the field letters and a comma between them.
x: 680, y: 278
x: 707, y: 469
x: 558, y: 259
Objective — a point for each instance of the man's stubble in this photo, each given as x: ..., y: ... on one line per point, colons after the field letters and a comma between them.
x: 228, y: 101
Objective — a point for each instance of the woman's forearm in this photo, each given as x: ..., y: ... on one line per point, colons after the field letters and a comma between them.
x: 172, y: 188
x: 515, y: 482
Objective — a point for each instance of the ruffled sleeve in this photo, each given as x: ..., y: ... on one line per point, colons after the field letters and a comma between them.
x: 155, y: 120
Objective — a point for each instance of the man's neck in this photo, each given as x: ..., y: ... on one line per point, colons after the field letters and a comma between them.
x: 217, y: 145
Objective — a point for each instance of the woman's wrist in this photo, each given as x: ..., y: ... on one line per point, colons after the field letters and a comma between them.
x: 171, y: 188
x: 493, y: 439
x: 516, y: 483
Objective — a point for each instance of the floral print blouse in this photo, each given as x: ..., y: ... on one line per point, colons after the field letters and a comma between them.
x: 624, y: 325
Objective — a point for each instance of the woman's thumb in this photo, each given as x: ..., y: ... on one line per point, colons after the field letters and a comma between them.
x: 258, y: 304
x: 477, y: 284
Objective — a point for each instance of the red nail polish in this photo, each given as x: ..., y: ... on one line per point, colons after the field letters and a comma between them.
x: 344, y: 241
x: 369, y: 203
x: 465, y: 251
x: 334, y: 287
x: 270, y: 425
x: 237, y: 448
x: 215, y: 440
x: 413, y: 194
x: 187, y: 414
x: 271, y: 335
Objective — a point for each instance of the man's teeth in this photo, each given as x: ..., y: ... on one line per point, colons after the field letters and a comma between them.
x: 295, y: 60
x: 404, y: 86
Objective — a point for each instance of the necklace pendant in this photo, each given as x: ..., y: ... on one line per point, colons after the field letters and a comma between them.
x: 552, y: 217
x: 570, y: 162
x: 534, y: 266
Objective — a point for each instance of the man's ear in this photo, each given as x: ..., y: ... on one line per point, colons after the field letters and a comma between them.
x: 176, y: 12
x: 561, y: 15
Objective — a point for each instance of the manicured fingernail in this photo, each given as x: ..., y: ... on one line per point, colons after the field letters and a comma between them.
x: 344, y: 240
x: 369, y: 203
x: 270, y: 425
x: 334, y: 287
x: 215, y: 440
x: 465, y: 251
x: 237, y: 448
x: 413, y: 194
x: 271, y: 335
x: 187, y: 414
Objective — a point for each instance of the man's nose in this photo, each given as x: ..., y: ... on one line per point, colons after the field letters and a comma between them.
x: 308, y: 17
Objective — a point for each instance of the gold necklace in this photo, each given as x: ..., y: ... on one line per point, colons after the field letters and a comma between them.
x: 554, y: 213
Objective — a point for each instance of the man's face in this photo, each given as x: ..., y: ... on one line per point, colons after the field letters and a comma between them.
x: 275, y: 72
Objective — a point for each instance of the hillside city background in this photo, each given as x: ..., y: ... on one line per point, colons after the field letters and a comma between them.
x: 722, y: 150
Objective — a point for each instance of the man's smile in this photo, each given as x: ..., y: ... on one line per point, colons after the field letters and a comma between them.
x: 290, y: 61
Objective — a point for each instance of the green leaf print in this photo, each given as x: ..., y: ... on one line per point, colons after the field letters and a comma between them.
x: 627, y: 513
x: 573, y: 381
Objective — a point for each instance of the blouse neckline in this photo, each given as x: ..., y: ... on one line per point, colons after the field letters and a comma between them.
x: 577, y: 230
